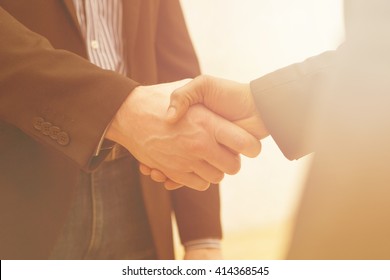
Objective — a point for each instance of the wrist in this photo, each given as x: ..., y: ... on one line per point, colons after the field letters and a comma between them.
x: 118, y: 126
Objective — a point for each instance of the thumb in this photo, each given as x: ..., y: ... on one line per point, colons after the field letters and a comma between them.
x: 182, y: 99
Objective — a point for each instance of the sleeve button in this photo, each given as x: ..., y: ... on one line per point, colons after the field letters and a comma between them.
x: 37, y: 123
x: 53, y: 132
x: 63, y: 138
x: 45, y: 128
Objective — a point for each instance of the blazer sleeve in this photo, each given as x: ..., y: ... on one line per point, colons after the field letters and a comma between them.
x: 285, y: 97
x: 197, y: 213
x: 54, y: 96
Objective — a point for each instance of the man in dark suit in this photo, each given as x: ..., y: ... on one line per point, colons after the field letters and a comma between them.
x: 61, y: 196
x: 336, y: 104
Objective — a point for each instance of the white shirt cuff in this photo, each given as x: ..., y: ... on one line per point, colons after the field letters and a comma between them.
x: 207, y: 243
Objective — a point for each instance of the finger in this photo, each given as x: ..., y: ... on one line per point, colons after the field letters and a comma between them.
x: 190, y: 180
x: 237, y: 139
x: 253, y: 125
x: 209, y: 150
x: 158, y: 176
x: 171, y: 185
x: 208, y: 172
x: 145, y: 170
x: 203, y: 169
x: 179, y: 104
x: 186, y: 96
x: 221, y: 158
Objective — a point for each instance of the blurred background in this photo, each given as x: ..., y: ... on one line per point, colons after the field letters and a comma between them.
x: 243, y: 40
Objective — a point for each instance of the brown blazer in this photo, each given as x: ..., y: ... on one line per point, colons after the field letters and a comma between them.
x: 337, y: 104
x: 44, y: 77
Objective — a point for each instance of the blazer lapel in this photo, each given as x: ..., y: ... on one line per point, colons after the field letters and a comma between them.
x: 131, y: 13
x: 72, y: 12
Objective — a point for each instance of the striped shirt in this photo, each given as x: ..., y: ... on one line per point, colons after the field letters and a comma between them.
x: 101, y: 26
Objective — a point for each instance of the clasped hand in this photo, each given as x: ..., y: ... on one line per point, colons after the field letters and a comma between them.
x: 198, y: 140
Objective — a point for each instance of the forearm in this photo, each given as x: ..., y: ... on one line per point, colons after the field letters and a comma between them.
x: 58, y: 88
x: 284, y: 99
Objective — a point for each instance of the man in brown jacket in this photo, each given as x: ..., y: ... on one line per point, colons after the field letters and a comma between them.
x: 61, y: 196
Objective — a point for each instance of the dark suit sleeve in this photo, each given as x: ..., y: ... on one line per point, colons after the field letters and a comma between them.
x: 56, y: 97
x: 197, y: 213
x: 285, y: 98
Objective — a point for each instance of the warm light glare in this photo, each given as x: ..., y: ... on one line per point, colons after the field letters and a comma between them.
x: 242, y: 40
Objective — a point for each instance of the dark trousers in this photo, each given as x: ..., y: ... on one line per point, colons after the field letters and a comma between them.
x: 107, y: 219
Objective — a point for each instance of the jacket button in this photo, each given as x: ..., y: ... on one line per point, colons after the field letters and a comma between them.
x: 37, y: 123
x: 45, y: 128
x: 63, y: 138
x: 53, y: 132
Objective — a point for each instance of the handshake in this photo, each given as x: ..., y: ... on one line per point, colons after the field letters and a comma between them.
x: 208, y: 124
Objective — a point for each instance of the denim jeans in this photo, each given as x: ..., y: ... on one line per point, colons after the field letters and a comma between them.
x: 107, y: 219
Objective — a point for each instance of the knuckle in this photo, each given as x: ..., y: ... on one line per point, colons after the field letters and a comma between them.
x: 205, y: 78
x: 176, y: 97
x: 205, y: 81
x: 179, y: 99
x: 197, y: 146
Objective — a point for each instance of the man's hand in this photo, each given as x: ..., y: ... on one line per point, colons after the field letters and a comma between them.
x: 194, y: 151
x: 231, y: 100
